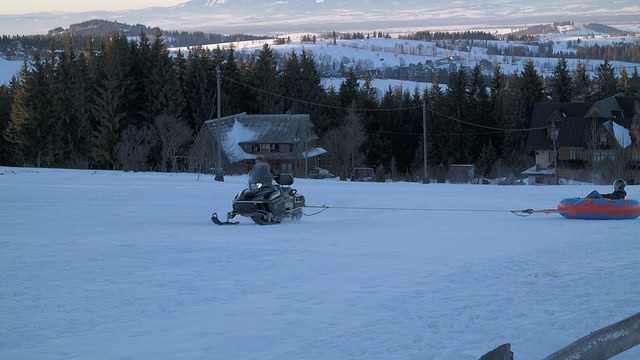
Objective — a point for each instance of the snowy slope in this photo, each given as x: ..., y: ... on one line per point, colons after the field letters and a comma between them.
x: 8, y: 69
x: 105, y: 265
x: 385, y: 53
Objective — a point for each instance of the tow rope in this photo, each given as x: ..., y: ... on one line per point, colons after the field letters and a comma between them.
x: 525, y: 212
x: 325, y: 207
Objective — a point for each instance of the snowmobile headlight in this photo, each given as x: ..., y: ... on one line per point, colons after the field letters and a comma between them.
x: 255, y: 186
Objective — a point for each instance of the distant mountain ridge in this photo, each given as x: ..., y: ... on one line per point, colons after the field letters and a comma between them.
x: 98, y: 27
x: 101, y: 27
x: 106, y: 27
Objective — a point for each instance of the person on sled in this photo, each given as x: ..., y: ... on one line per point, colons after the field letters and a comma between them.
x: 261, y: 173
x: 618, y: 192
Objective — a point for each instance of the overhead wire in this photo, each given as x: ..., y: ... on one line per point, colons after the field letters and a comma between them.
x: 415, y: 107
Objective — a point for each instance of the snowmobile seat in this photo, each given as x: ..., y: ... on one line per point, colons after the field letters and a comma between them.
x: 285, y: 179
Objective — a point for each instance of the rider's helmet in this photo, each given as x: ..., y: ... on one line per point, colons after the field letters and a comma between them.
x: 619, y: 185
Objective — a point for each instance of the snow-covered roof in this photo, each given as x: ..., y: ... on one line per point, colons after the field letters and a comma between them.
x: 619, y: 133
x: 243, y: 128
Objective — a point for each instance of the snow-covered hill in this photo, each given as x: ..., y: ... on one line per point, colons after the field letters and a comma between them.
x: 383, y: 54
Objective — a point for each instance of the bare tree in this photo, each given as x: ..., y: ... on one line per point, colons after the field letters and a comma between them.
x: 343, y: 144
x: 134, y: 147
x: 173, y: 133
x: 591, y: 140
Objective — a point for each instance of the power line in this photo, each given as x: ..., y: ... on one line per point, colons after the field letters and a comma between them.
x: 407, y: 108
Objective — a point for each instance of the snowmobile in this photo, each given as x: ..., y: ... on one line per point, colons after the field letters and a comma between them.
x: 266, y: 204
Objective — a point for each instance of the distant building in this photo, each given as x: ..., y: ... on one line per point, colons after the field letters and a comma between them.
x: 593, y: 141
x: 286, y: 141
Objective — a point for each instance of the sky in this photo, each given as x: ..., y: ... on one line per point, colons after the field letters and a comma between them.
x: 32, y: 6
x: 260, y: 17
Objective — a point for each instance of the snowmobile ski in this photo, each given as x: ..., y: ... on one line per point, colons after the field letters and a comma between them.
x: 214, y: 218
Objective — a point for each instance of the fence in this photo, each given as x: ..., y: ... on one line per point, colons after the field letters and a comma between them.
x: 599, y: 345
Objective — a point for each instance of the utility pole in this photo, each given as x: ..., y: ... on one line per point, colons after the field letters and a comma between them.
x: 425, y: 179
x: 554, y: 135
x: 219, y: 176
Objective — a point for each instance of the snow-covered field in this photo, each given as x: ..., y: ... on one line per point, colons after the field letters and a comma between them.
x: 114, y: 265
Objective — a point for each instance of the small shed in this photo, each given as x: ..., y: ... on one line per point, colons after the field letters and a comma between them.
x: 461, y: 173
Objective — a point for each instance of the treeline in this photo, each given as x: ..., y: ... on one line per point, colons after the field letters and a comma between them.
x: 618, y: 52
x: 452, y: 36
x: 131, y: 105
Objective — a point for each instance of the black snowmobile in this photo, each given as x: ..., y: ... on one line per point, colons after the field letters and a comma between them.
x: 266, y: 204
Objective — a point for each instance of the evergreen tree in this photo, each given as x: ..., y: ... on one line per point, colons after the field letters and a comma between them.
x: 561, y: 84
x: 312, y: 89
x: 111, y: 100
x: 457, y: 108
x: 497, y: 85
x: 292, y: 81
x: 73, y: 99
x: 266, y: 78
x: 437, y: 131
x: 532, y: 89
x: 605, y: 81
x: 581, y: 82
x: 515, y: 121
x: 165, y: 93
x: 5, y: 117
x: 349, y: 89
x: 199, y: 87
x: 634, y: 82
x: 39, y: 133
x: 233, y: 89
x: 19, y: 115
x: 480, y: 110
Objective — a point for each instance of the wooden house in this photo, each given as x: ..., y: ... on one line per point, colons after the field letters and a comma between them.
x: 590, y: 142
x: 286, y: 141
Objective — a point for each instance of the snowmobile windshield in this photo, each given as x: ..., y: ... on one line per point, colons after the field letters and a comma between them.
x: 260, y: 174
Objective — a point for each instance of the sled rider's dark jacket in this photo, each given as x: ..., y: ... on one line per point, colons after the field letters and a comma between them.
x: 616, y: 195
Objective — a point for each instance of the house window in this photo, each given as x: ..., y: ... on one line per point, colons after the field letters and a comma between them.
x: 604, y: 155
x: 635, y: 155
x: 597, y: 156
x: 265, y: 147
x: 574, y: 175
x: 575, y: 154
x: 603, y: 138
x: 285, y: 148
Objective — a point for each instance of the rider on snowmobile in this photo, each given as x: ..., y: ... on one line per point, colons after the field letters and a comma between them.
x: 261, y: 173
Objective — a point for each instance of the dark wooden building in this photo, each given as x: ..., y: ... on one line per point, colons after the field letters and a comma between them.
x: 589, y: 142
x: 286, y: 141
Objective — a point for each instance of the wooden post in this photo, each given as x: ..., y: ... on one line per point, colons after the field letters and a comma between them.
x: 502, y: 352
x: 604, y: 343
